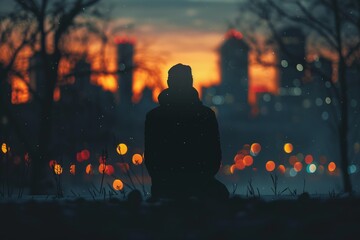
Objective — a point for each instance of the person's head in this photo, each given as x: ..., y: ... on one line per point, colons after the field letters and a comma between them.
x: 180, y: 77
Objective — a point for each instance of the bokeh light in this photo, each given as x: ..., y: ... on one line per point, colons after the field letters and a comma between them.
x: 255, y: 149
x: 309, y: 159
x: 281, y: 168
x: 73, y: 169
x: 85, y: 154
x: 137, y: 159
x: 89, y: 169
x: 240, y: 165
x: 58, y: 169
x: 248, y: 160
x: 4, y: 148
x: 331, y: 166
x: 298, y: 166
x: 52, y: 163
x: 293, y: 159
x: 352, y: 169
x: 288, y: 147
x: 311, y: 168
x: 292, y: 172
x: 232, y: 168
x: 102, y: 168
x: 121, y: 149
x: 118, y: 184
x: 270, y: 166
x: 109, y: 170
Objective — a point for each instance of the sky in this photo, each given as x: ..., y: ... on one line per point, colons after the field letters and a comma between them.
x: 187, y: 32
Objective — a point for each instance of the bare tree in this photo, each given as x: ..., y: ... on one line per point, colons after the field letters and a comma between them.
x: 49, y: 24
x: 335, y: 25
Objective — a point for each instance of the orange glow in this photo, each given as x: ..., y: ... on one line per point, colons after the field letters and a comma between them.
x: 309, y: 159
x: 248, y: 160
x: 121, y: 149
x: 56, y: 95
x: 4, y: 148
x: 102, y: 168
x: 298, y: 166
x: 288, y: 147
x: 72, y: 169
x: 255, y: 148
x: 262, y: 78
x: 137, y: 159
x: 232, y: 168
x: 20, y: 93
x: 89, y: 169
x: 281, y: 168
x: 240, y: 165
x: 233, y: 33
x: 270, y: 166
x: 108, y: 82
x: 331, y: 166
x: 58, y: 169
x: 118, y: 184
x: 293, y: 159
x: 109, y: 170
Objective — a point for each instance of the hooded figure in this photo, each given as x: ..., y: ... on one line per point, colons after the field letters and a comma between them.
x: 182, y: 142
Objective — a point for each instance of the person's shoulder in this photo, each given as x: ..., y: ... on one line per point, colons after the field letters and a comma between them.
x: 153, y: 112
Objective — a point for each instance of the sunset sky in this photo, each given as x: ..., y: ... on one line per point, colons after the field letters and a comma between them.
x: 177, y: 31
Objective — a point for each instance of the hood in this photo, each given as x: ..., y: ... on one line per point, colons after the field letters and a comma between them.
x: 171, y: 97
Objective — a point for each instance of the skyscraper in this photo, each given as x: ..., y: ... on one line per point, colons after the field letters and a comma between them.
x: 125, y: 53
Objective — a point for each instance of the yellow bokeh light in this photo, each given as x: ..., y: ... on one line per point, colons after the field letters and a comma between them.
x: 137, y: 159
x: 58, y: 169
x: 121, y: 149
x: 118, y: 184
x: 4, y: 148
x: 288, y: 147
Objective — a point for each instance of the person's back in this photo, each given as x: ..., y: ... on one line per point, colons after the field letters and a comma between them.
x: 182, y: 143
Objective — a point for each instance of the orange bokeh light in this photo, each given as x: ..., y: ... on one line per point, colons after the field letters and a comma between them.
x: 118, y: 184
x: 102, y: 168
x: 298, y: 166
x: 89, y: 169
x: 270, y: 166
x: 331, y: 166
x: 288, y: 147
x: 232, y: 168
x: 309, y: 159
x: 255, y: 148
x: 248, y: 160
x: 72, y: 169
x: 281, y: 168
x: 240, y: 165
x: 137, y: 159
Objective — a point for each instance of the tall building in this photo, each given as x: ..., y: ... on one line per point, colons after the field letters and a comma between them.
x: 230, y: 98
x: 292, y: 59
x: 125, y: 53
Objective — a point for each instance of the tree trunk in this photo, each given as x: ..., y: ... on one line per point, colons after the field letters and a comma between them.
x: 344, y: 123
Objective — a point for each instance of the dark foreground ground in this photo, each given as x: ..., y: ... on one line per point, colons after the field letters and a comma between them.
x: 236, y: 218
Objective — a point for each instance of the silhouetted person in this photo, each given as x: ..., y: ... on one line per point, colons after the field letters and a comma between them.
x: 182, y: 142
